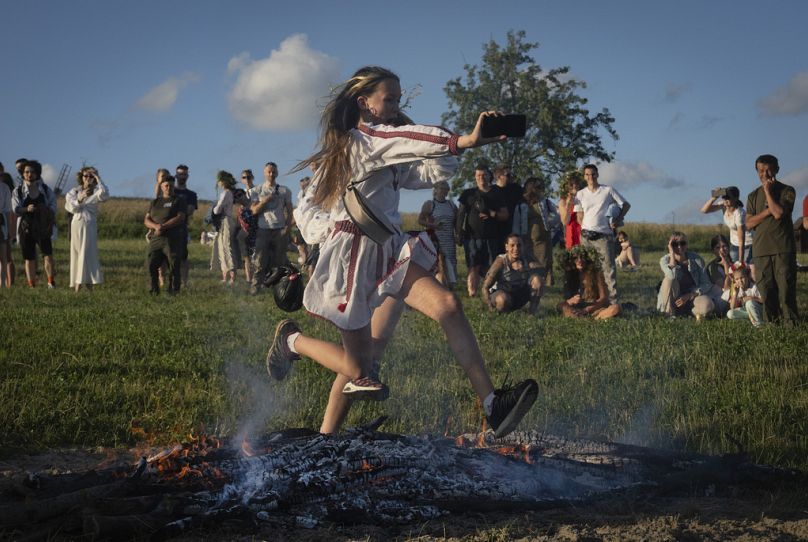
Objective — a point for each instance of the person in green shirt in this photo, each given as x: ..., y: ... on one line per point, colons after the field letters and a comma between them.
x: 773, y: 248
x: 165, y: 220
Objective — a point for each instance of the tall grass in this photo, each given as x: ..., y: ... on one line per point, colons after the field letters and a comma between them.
x: 114, y: 366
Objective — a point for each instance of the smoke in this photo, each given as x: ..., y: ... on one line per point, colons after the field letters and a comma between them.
x: 250, y: 385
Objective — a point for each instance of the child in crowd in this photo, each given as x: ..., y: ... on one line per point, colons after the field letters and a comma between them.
x: 629, y: 256
x: 743, y: 297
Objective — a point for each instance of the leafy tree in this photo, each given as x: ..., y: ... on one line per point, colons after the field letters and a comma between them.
x: 561, y: 131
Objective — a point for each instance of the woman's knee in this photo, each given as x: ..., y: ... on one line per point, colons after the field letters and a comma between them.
x: 501, y: 302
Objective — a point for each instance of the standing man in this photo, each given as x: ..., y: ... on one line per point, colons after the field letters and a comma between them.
x: 774, y: 251
x: 272, y: 203
x: 191, y: 202
x: 247, y: 180
x: 596, y: 231
x: 510, y: 194
x: 478, y: 217
x: 35, y: 205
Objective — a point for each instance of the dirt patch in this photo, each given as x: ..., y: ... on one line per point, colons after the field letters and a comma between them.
x: 700, y: 514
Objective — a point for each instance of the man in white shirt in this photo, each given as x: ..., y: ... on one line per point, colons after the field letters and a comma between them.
x: 592, y: 205
x: 272, y: 203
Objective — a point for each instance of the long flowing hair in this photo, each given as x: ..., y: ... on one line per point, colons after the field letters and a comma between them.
x: 341, y: 114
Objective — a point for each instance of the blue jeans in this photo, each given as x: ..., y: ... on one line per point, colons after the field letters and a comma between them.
x: 747, y: 253
x: 752, y: 311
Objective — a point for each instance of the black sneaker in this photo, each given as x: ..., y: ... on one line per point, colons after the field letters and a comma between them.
x: 510, y: 406
x: 279, y: 357
x: 366, y: 389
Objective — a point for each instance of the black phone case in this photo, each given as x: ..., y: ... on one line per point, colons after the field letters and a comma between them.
x: 509, y: 125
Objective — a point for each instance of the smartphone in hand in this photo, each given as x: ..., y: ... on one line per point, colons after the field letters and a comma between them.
x: 508, y: 125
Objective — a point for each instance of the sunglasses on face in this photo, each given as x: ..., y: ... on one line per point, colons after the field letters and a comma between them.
x: 676, y: 244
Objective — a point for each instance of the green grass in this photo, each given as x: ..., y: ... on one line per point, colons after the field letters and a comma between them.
x: 115, y: 366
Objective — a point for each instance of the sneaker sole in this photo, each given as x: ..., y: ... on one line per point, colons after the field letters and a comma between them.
x: 278, y: 373
x: 367, y: 395
x: 518, y: 412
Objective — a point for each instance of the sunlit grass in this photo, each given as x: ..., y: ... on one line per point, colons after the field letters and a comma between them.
x: 105, y: 367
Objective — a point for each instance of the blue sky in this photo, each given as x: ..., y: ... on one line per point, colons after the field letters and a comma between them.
x: 698, y: 89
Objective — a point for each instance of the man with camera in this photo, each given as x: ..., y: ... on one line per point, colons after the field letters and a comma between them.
x: 593, y: 203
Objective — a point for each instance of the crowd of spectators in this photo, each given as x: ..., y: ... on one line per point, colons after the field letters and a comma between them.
x: 508, y: 231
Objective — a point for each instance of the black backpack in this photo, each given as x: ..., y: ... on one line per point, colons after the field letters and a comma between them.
x: 287, y: 286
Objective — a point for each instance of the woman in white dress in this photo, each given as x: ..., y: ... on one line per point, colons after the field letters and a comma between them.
x: 82, y: 201
x: 223, y: 211
x: 368, y: 144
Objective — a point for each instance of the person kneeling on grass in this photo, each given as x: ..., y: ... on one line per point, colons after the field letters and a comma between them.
x: 512, y: 280
x: 743, y: 297
x: 585, y: 291
x: 686, y: 285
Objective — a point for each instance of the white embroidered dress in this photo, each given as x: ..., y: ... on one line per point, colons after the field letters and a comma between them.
x: 85, y: 265
x: 354, y: 274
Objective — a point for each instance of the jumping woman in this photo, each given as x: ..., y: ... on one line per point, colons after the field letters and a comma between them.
x: 366, y: 142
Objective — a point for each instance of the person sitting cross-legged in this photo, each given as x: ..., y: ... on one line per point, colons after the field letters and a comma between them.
x: 743, y: 297
x: 512, y: 280
x: 585, y: 290
x: 686, y: 285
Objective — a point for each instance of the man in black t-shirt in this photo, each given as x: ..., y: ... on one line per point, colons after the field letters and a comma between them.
x: 478, y: 217
x: 167, y: 237
x: 510, y: 194
x: 182, y: 191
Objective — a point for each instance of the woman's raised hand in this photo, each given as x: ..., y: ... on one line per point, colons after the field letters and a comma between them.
x: 475, y: 138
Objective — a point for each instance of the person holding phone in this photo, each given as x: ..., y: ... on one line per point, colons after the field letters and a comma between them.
x: 735, y: 219
x: 82, y: 202
x: 774, y: 249
x: 363, y: 137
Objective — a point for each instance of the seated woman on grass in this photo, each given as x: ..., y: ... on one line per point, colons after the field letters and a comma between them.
x: 629, y: 255
x: 686, y: 286
x: 585, y: 292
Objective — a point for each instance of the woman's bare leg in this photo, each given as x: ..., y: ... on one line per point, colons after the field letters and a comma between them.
x: 383, y: 324
x: 423, y: 293
x: 348, y: 359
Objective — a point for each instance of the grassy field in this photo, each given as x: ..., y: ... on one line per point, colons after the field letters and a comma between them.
x: 116, y: 366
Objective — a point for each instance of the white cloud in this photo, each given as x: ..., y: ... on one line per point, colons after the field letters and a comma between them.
x: 163, y: 96
x: 281, y: 92
x: 797, y: 179
x: 790, y: 100
x: 238, y: 62
x: 633, y: 174
x: 50, y: 175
